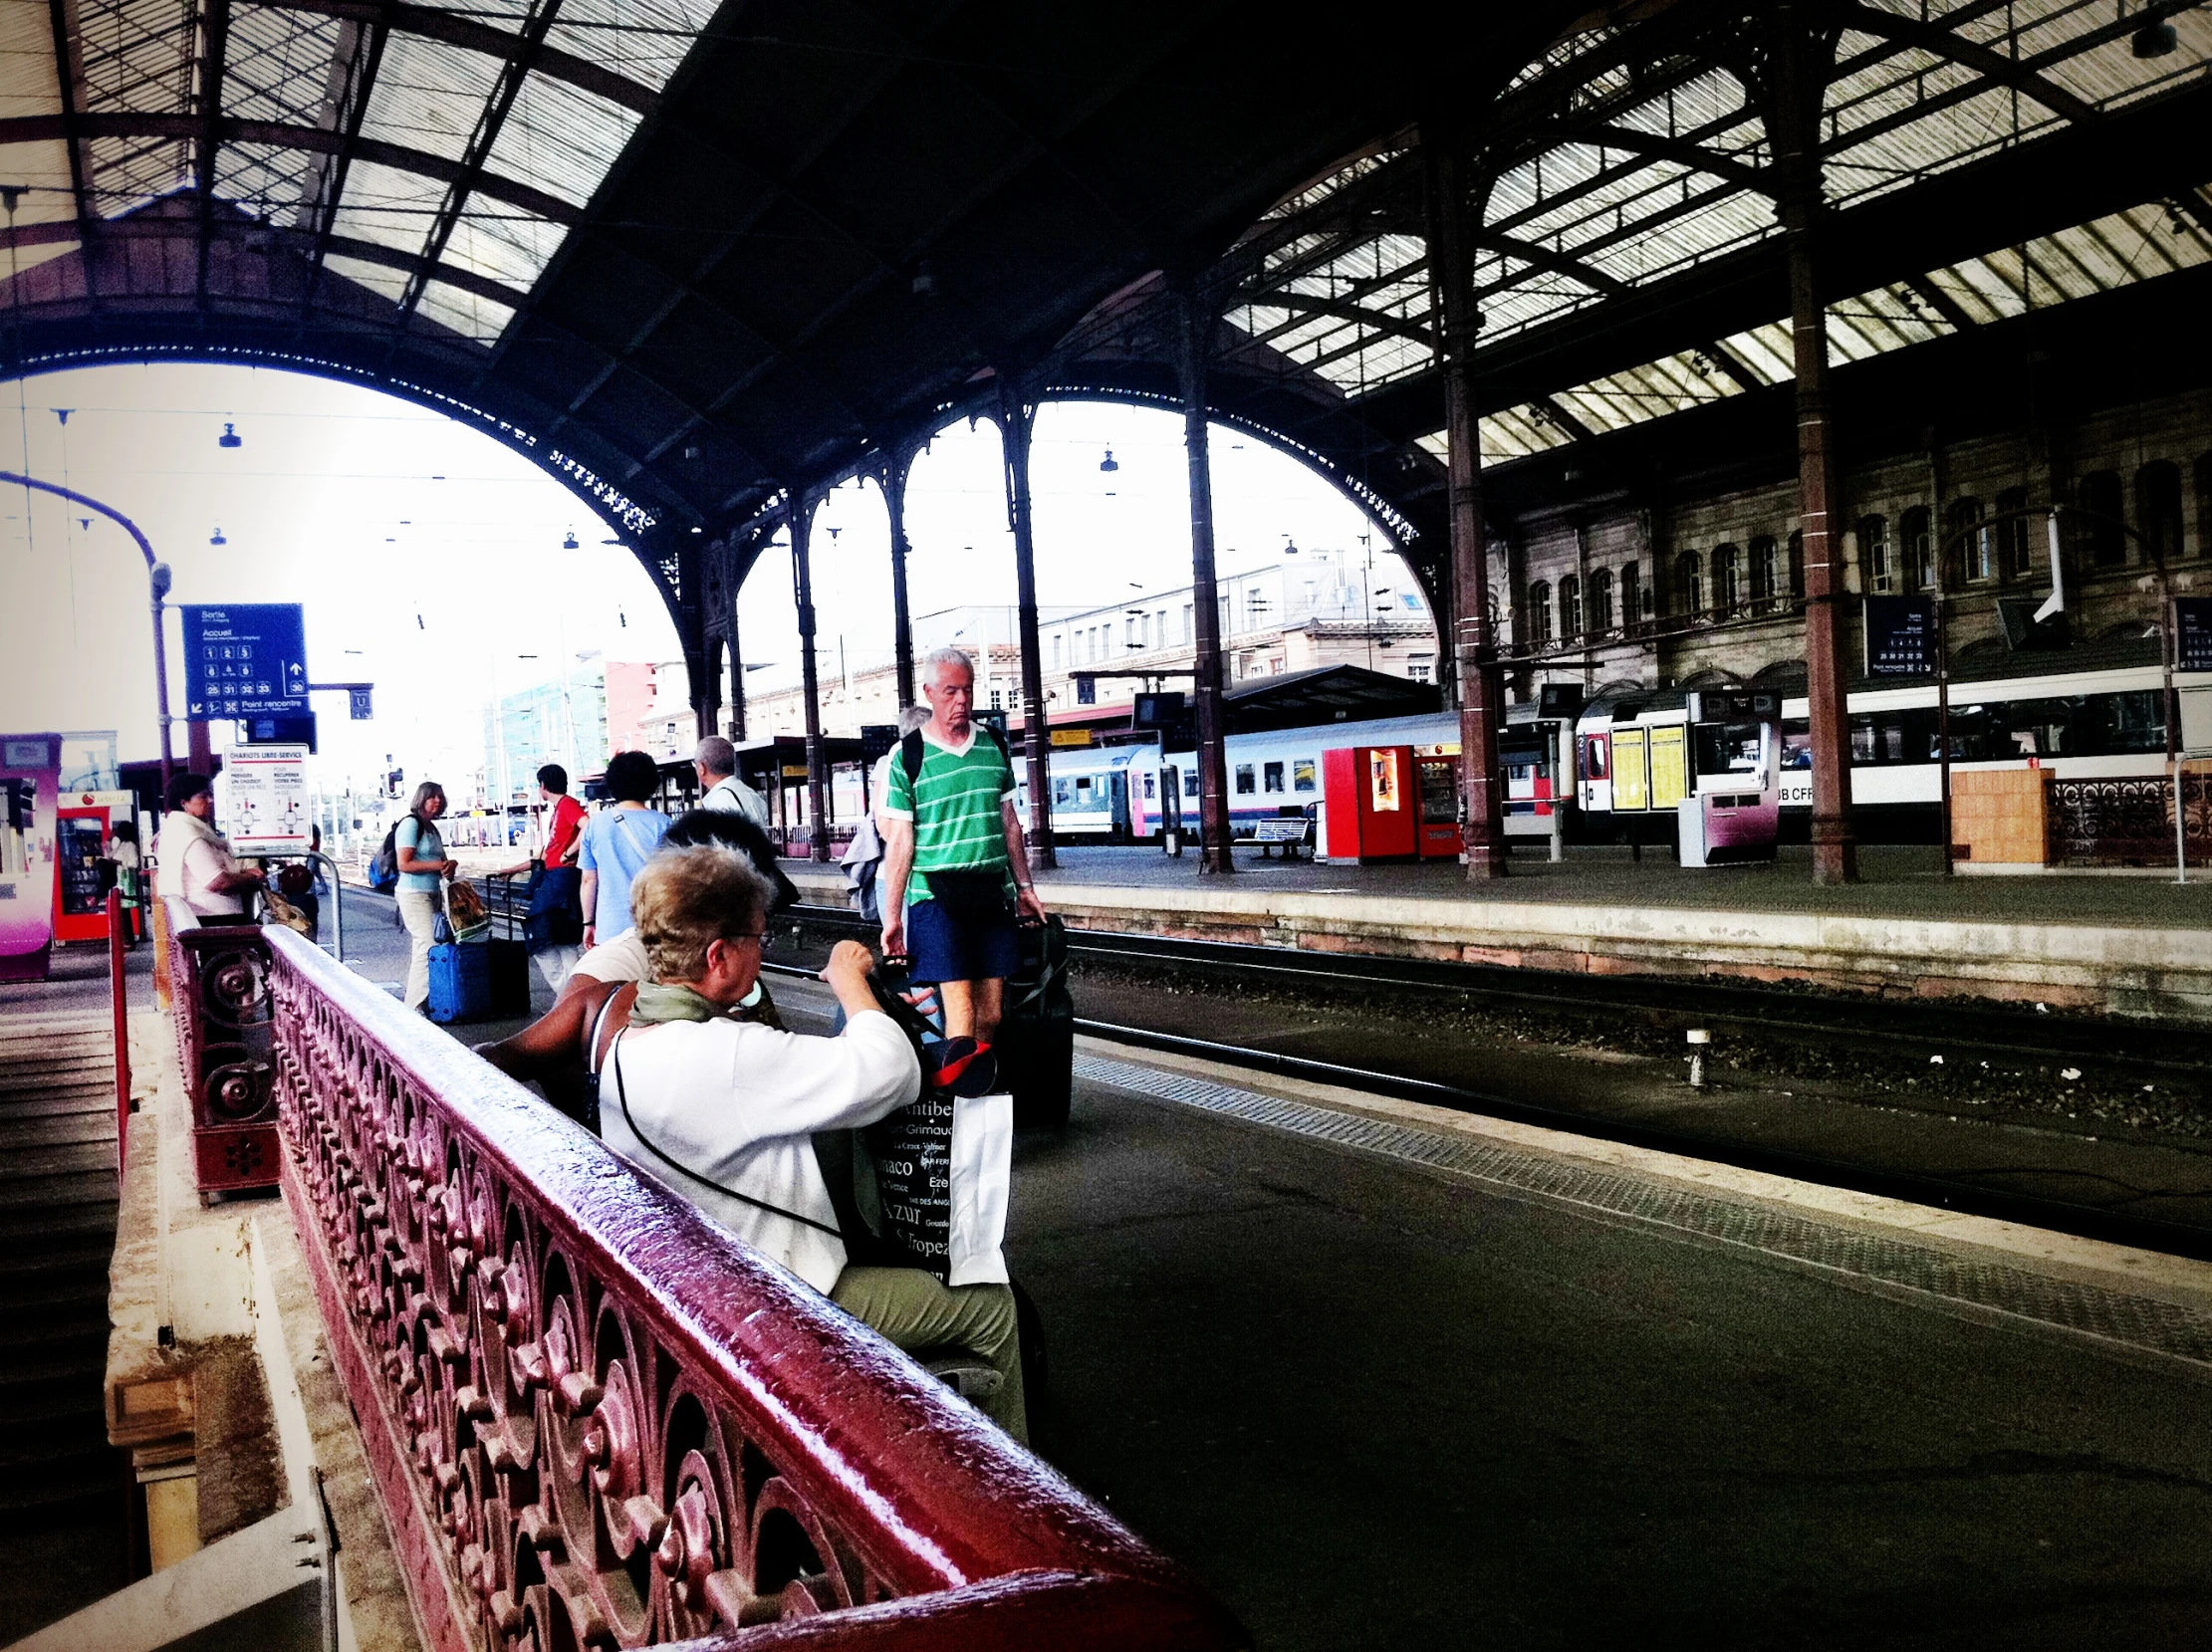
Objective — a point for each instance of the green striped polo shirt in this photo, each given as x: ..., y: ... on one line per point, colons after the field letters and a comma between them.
x: 954, y: 803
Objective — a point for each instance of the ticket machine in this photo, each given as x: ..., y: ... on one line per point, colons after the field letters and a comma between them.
x: 1734, y: 810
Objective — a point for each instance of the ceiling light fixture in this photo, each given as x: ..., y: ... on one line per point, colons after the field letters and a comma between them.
x: 230, y: 437
x: 569, y: 541
x: 1108, y: 463
x: 216, y: 538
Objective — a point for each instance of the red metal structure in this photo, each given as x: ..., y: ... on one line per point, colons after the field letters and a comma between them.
x: 120, y: 1007
x: 220, y: 1004
x: 597, y: 1419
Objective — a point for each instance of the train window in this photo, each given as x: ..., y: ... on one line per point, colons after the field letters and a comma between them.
x: 1726, y: 748
x: 1059, y: 792
x: 1151, y: 780
x: 1796, y: 745
x: 2132, y: 722
x: 1190, y: 782
x: 1083, y: 789
x: 1244, y: 779
x: 1594, y: 757
x: 1302, y: 774
x: 1271, y: 776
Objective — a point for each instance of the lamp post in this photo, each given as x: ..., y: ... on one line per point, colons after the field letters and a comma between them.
x: 157, y: 579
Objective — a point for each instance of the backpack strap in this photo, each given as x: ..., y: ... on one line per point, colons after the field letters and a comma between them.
x: 910, y: 754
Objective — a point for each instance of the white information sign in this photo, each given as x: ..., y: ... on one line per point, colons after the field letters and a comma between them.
x: 267, y: 809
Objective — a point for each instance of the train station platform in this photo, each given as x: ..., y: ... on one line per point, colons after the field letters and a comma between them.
x: 2138, y: 946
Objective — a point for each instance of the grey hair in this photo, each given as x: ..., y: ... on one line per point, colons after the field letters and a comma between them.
x: 938, y: 658
x: 912, y: 719
x: 717, y: 755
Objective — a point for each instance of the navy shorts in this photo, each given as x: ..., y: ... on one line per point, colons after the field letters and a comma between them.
x: 977, y: 945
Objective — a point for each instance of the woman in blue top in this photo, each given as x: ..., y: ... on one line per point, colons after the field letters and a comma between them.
x: 617, y: 843
x: 424, y: 870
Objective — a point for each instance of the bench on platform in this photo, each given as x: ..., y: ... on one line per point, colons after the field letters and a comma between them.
x: 1292, y: 831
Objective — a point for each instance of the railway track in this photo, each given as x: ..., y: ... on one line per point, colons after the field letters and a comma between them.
x: 1960, y: 1031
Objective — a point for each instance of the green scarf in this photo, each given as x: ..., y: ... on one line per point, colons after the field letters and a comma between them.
x: 658, y: 1004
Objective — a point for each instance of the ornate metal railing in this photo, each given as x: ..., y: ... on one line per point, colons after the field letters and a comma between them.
x: 221, y: 1009
x: 597, y: 1419
x: 2105, y: 823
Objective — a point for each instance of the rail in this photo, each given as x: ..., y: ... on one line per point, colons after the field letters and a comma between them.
x: 119, y: 1007
x: 596, y: 1418
x: 223, y: 1017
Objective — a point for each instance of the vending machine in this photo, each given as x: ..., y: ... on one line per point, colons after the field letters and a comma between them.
x: 1373, y: 804
x: 30, y: 774
x: 1735, y: 813
x: 80, y: 865
x: 1440, y: 836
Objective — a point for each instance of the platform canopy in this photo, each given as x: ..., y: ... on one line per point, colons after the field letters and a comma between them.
x: 699, y: 259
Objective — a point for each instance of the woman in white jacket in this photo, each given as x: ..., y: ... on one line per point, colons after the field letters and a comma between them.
x: 725, y: 1109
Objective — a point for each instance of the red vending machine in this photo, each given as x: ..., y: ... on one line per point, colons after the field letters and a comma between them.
x: 1440, y: 835
x: 79, y: 892
x: 1372, y: 803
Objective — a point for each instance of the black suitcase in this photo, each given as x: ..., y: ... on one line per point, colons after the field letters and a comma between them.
x: 1037, y: 1034
x: 510, y: 979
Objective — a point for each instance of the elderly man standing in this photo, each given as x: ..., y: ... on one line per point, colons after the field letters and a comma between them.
x: 955, y: 870
x: 715, y: 760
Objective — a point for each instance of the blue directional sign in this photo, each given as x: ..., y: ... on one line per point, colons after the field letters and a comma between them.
x: 244, y: 659
x: 1901, y: 637
x: 2192, y: 633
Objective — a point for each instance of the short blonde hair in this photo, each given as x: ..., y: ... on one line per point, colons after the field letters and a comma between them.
x: 687, y: 899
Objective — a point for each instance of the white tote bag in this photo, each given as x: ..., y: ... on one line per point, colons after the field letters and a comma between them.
x: 982, y: 1177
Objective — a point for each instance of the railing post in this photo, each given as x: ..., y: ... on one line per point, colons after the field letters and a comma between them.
x: 122, y: 1004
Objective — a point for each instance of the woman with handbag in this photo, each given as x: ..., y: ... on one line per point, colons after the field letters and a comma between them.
x: 554, y: 930
x: 423, y: 872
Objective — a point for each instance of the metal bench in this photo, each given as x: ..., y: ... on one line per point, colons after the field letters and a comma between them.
x: 1292, y: 833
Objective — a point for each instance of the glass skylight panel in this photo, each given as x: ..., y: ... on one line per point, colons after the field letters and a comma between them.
x: 504, y: 243
x: 277, y: 64
x: 388, y: 206
x: 429, y: 96
x: 265, y: 179
x: 479, y: 319
x: 561, y: 138
x: 642, y: 40
x: 381, y: 279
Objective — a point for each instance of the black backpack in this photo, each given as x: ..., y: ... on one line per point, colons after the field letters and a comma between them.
x: 911, y: 751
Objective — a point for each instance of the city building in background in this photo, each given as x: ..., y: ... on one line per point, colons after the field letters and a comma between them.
x: 1297, y: 610
x: 564, y: 722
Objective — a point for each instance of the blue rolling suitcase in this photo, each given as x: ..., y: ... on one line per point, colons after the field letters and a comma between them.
x: 460, y: 981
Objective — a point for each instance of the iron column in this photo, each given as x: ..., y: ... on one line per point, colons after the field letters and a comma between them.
x: 1797, y: 63
x: 1196, y: 337
x: 902, y: 623
x: 1474, y: 652
x: 800, y: 515
x: 1016, y: 415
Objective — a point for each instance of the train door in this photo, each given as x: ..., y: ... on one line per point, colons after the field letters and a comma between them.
x: 1593, y: 752
x: 1118, y: 802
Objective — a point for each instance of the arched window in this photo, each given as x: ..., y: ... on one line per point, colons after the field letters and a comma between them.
x: 1540, y: 612
x: 2014, y: 553
x: 1916, y: 549
x: 1600, y: 601
x: 1966, y: 542
x: 1633, y: 593
x: 1689, y: 583
x: 1762, y: 570
x: 1569, y: 606
x: 2102, y: 538
x: 1728, y: 591
x: 1877, y: 566
x: 2204, y: 504
x: 2158, y: 509
x: 1797, y: 564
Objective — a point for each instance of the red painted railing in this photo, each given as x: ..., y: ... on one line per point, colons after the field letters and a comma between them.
x: 220, y: 1005
x: 120, y: 1001
x: 597, y: 1419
